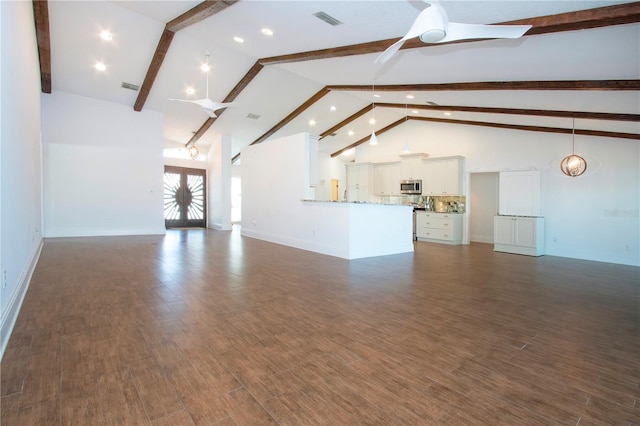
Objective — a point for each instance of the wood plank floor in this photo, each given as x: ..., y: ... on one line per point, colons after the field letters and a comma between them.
x: 207, y: 327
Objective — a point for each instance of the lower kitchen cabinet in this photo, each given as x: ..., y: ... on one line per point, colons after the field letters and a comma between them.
x: 439, y: 227
x: 520, y: 235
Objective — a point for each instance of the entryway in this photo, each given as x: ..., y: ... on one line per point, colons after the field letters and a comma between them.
x: 185, y: 200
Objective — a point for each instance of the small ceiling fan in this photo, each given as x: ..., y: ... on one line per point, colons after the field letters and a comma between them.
x: 432, y: 26
x: 209, y: 106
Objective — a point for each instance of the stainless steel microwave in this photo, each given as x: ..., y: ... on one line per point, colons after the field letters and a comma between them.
x: 413, y: 186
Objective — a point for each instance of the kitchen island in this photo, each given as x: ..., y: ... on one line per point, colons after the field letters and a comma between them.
x: 354, y: 230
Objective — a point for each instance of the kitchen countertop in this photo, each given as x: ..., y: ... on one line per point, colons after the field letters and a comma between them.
x: 422, y: 209
x: 355, y: 202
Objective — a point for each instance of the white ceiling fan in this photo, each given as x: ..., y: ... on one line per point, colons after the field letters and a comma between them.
x: 432, y: 26
x: 209, y: 106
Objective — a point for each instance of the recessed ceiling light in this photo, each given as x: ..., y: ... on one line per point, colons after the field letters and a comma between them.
x: 348, y: 151
x: 100, y: 66
x: 415, y: 111
x: 106, y: 35
x: 205, y: 67
x: 447, y: 113
x: 238, y: 39
x: 372, y: 120
x: 350, y: 133
x: 267, y: 32
x: 312, y: 122
x: 333, y: 108
x: 410, y: 96
x: 190, y: 91
x: 376, y: 96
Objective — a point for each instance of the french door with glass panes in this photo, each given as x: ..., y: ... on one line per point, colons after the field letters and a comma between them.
x: 185, y: 197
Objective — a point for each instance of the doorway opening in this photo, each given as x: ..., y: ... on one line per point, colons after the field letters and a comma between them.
x: 483, y: 190
x: 185, y: 192
x: 335, y: 190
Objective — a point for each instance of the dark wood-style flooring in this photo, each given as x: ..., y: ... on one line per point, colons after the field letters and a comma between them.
x: 207, y: 327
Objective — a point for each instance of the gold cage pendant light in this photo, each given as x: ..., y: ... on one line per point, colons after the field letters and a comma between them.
x: 573, y: 165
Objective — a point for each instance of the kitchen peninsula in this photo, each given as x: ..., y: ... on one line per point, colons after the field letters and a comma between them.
x: 278, y: 206
x: 354, y: 230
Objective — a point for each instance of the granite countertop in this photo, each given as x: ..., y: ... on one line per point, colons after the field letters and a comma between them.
x: 356, y: 202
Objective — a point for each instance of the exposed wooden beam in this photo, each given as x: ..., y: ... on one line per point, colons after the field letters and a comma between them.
x: 154, y: 67
x: 363, y: 140
x: 570, y: 21
x: 41, y: 18
x: 242, y: 84
x: 582, y: 19
x: 498, y: 85
x: 198, y: 13
x: 518, y: 111
x: 312, y: 100
x: 190, y: 17
x: 347, y: 120
x: 250, y: 75
x: 599, y: 133
x: 634, y: 136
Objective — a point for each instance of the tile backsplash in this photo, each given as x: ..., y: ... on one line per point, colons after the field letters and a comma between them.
x: 452, y: 203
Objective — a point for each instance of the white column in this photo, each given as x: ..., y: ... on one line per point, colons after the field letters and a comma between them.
x: 219, y: 184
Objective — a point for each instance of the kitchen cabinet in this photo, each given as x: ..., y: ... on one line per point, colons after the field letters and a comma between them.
x: 387, y: 178
x: 439, y: 227
x: 360, y: 181
x: 411, y: 166
x: 442, y: 176
x: 520, y: 235
x: 519, y: 193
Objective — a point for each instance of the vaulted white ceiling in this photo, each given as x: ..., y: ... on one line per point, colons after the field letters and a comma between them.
x: 608, y: 53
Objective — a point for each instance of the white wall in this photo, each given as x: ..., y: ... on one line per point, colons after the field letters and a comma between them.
x: 103, y: 168
x: 273, y: 182
x: 593, y: 217
x: 20, y: 198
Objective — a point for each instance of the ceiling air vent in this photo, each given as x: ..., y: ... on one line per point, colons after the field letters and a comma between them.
x: 327, y: 18
x: 253, y: 116
x: 130, y: 86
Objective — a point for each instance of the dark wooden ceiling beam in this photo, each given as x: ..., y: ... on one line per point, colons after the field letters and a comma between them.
x: 312, y: 100
x: 41, y: 18
x: 248, y: 77
x: 198, y: 13
x: 598, y: 133
x: 365, y: 139
x: 346, y: 121
x: 518, y: 111
x: 190, y: 17
x: 156, y: 62
x: 564, y: 130
x: 570, y: 21
x: 582, y: 19
x: 498, y: 85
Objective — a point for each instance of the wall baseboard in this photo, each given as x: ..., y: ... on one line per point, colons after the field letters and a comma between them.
x: 10, y: 315
x: 97, y: 232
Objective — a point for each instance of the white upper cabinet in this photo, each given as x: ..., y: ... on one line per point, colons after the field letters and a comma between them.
x: 442, y: 176
x: 519, y: 193
x: 387, y: 178
x: 411, y: 166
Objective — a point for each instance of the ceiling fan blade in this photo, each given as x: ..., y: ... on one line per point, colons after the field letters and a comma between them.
x: 180, y: 100
x: 210, y: 112
x: 433, y: 19
x: 457, y: 31
x: 389, y: 52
